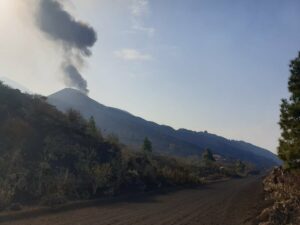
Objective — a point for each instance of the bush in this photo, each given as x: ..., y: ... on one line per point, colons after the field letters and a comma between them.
x: 15, y: 207
x: 53, y: 200
x: 6, y: 197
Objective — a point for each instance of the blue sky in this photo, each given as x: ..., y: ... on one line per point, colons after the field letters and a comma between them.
x: 215, y: 65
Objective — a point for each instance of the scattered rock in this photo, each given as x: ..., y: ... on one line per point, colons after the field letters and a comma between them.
x: 265, y: 214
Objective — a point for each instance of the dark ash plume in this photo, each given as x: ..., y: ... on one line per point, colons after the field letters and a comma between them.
x: 76, y: 38
x: 74, y: 79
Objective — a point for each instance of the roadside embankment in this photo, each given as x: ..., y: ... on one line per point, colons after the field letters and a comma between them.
x: 282, y: 191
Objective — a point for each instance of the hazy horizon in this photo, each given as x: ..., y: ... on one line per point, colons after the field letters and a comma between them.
x: 220, y: 66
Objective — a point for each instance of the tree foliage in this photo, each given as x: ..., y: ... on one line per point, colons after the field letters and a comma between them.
x: 207, y: 156
x: 289, y: 143
x: 47, y: 155
x: 147, y: 146
x: 240, y: 166
x: 92, y: 128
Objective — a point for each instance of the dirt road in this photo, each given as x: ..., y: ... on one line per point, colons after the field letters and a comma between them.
x: 227, y: 203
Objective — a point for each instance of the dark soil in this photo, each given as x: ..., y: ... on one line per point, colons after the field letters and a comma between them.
x: 233, y: 202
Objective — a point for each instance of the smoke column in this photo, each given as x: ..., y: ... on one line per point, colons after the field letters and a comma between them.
x: 74, y: 36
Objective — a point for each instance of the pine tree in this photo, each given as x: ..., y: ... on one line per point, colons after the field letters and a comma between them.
x: 207, y: 156
x: 289, y: 143
x: 240, y: 166
x: 92, y: 128
x: 147, y: 146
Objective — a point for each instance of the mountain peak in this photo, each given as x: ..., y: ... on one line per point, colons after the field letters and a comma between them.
x: 71, y: 91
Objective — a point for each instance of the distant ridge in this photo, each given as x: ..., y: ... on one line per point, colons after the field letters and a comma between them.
x: 13, y: 84
x: 131, y: 131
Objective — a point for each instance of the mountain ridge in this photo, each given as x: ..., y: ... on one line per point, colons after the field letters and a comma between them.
x: 132, y: 130
x: 15, y: 85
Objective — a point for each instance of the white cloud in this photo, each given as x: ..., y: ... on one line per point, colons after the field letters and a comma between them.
x: 138, y: 26
x: 140, y: 9
x: 129, y: 54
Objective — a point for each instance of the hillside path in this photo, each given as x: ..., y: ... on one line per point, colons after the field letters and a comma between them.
x: 232, y: 202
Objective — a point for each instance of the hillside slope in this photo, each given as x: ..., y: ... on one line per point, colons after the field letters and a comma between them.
x: 45, y: 155
x: 131, y: 130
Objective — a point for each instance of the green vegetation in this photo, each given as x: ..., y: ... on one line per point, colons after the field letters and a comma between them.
x: 147, y: 146
x: 240, y: 166
x: 48, y: 157
x: 92, y: 128
x: 289, y: 150
x: 208, y: 157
